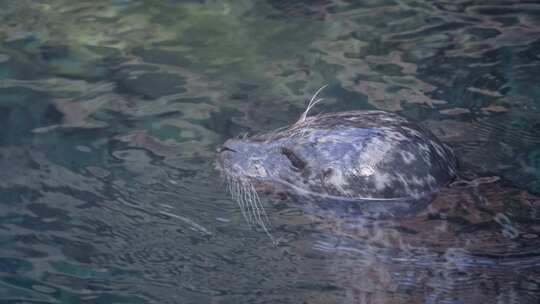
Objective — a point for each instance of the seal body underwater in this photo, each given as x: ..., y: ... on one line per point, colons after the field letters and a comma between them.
x: 365, y: 162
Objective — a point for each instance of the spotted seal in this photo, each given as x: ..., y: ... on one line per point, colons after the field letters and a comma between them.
x: 365, y: 162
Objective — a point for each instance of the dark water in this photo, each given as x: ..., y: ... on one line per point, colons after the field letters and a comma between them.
x: 110, y: 113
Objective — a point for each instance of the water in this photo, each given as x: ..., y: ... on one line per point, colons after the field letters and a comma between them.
x: 111, y: 112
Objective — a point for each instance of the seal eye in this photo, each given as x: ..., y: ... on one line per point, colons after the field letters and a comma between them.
x: 296, y: 161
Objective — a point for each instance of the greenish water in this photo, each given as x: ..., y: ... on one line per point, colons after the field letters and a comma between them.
x: 111, y: 112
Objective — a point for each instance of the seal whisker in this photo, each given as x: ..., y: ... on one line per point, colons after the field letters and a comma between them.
x: 312, y: 102
x: 245, y: 197
x: 247, y: 204
x: 235, y: 190
x: 253, y: 211
x: 236, y: 197
x: 260, y: 210
x: 255, y: 203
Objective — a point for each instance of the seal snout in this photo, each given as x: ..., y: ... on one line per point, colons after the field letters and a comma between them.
x: 229, y: 153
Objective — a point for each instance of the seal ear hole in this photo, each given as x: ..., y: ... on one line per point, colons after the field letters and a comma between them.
x: 296, y: 161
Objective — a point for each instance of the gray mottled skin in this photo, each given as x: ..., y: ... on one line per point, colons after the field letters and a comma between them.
x: 359, y: 156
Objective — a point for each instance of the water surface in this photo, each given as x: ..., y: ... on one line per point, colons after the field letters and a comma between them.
x: 111, y: 111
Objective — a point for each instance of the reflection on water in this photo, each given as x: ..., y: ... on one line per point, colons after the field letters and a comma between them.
x: 110, y: 113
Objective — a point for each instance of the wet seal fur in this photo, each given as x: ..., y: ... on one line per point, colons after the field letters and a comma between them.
x: 370, y: 163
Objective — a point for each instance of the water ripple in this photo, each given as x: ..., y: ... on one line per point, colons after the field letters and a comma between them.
x: 110, y: 115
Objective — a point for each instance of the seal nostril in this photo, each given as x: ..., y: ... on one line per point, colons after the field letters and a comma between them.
x: 223, y: 149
